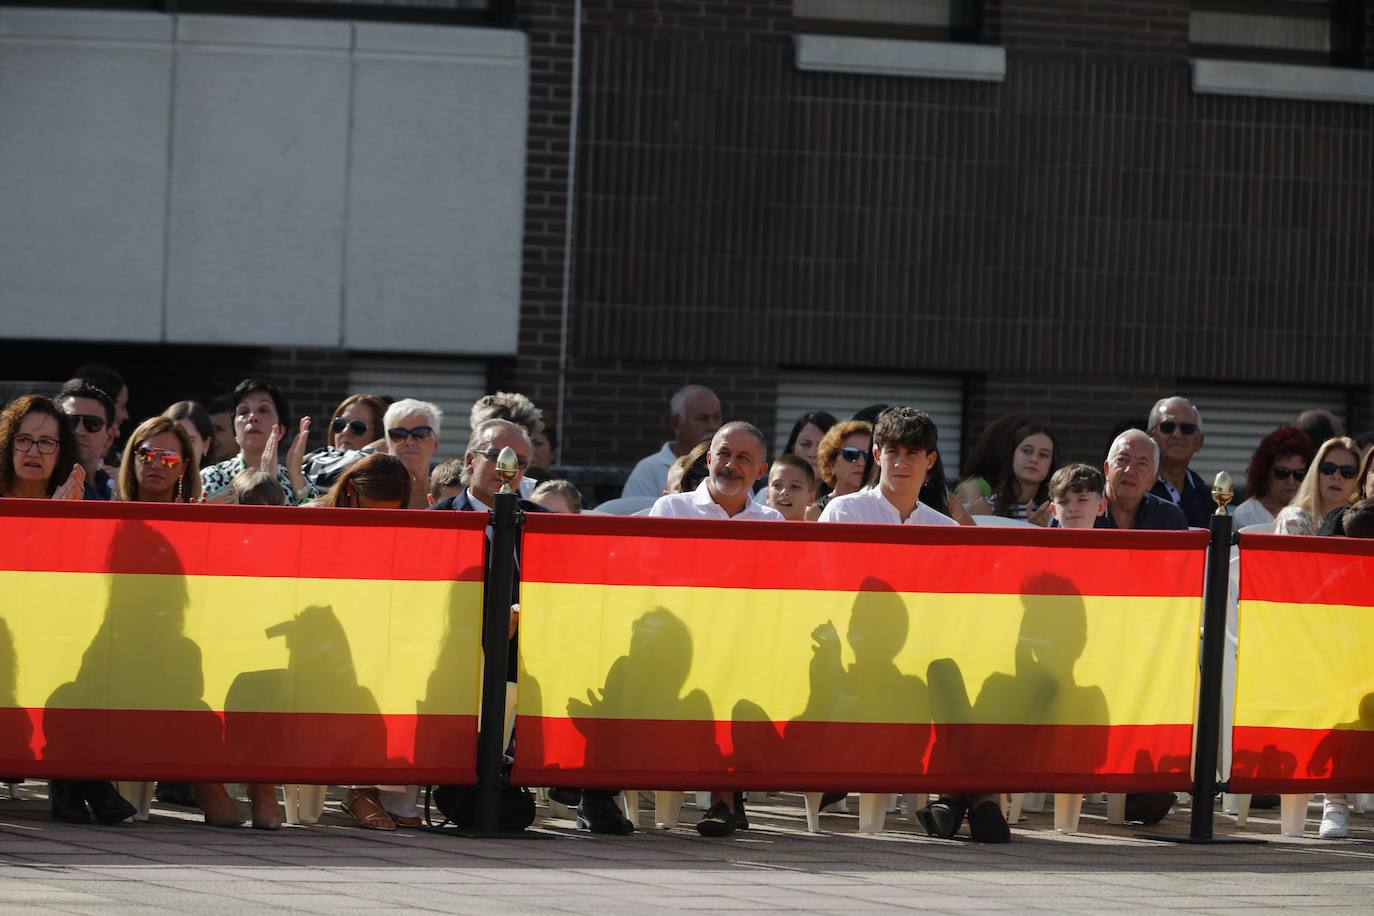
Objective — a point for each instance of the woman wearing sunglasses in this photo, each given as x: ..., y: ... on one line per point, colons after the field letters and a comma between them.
x: 412, y: 434
x: 1276, y: 471
x: 844, y: 456
x: 355, y: 430
x: 38, y: 445
x: 1331, y: 482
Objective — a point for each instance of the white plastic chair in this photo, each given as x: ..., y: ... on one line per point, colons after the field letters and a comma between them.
x: 997, y: 521
x: 138, y: 794
x: 623, y: 505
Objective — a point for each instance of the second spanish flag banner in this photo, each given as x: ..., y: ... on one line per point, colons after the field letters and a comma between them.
x: 1304, y: 719
x: 658, y: 653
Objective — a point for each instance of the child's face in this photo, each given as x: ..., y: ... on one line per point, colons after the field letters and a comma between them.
x: 1078, y: 510
x: 789, y: 492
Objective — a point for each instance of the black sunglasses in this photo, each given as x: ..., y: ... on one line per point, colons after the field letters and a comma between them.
x: 1285, y: 473
x: 418, y: 433
x: 1167, y: 427
x: 1329, y: 468
x: 93, y: 423
x: 356, y: 427
x: 850, y: 453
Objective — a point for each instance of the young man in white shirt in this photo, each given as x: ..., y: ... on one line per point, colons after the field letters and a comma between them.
x: 737, y: 458
x: 905, y: 444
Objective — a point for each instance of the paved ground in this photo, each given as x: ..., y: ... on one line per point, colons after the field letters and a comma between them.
x: 172, y: 863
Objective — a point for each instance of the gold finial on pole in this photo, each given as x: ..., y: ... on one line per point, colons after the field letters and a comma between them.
x: 1222, y: 491
x: 508, y: 465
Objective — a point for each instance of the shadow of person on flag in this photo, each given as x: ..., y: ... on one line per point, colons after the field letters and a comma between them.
x: 639, y: 721
x: 313, y: 714
x: 869, y: 717
x: 1344, y: 751
x: 16, y: 728
x: 453, y: 684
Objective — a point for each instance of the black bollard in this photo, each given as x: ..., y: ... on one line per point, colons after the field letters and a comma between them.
x: 500, y: 574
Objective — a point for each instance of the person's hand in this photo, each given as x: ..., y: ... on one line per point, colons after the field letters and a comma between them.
x: 1039, y: 516
x: 225, y: 497
x: 268, y: 462
x: 827, y: 639
x: 74, y: 487
x: 295, y: 455
x: 960, y: 514
x: 576, y: 708
x: 514, y: 619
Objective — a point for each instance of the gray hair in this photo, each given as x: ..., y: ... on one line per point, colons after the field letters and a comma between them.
x: 1158, y: 410
x: 407, y: 406
x: 1120, y: 442
x: 678, y: 404
x: 749, y: 428
x: 483, y: 430
x: 507, y: 405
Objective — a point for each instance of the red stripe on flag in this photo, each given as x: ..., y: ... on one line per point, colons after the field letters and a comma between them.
x: 1297, y: 760
x: 1306, y: 570
x: 847, y: 757
x: 205, y: 540
x: 310, y: 748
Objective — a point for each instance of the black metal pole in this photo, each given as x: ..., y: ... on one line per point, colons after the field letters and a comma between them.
x: 500, y: 574
x: 1209, y: 689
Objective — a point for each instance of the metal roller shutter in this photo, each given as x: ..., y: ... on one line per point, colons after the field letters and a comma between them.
x: 1236, y: 417
x: 842, y: 393
x: 452, y: 384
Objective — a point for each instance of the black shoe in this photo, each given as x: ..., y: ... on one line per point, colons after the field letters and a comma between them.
x: 603, y: 815
x: 942, y: 818
x: 986, y: 824
x: 176, y: 793
x: 109, y: 806
x: 569, y: 797
x: 741, y: 817
x: 1149, y: 807
x: 832, y: 798
x: 1265, y: 801
x: 68, y: 804
x: 719, y: 821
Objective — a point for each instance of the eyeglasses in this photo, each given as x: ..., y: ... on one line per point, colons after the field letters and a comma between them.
x: 147, y: 455
x: 358, y: 427
x: 1167, y: 427
x: 24, y: 443
x: 1285, y: 473
x: 492, y: 454
x: 93, y: 423
x: 1329, y: 468
x: 418, y: 433
x: 849, y: 453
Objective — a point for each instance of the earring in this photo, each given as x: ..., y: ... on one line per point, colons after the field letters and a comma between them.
x: 176, y: 498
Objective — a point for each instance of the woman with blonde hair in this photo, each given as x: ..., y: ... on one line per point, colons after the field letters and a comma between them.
x: 1332, y: 481
x: 160, y: 464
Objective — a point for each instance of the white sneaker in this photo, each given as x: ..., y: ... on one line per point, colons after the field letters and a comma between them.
x: 1334, y: 816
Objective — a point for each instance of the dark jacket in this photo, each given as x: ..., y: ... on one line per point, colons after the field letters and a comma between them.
x: 1195, y: 500
x: 1154, y: 514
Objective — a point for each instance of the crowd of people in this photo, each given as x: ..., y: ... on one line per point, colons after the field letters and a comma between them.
x: 880, y: 466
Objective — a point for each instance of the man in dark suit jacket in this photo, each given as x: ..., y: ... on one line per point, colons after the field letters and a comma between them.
x: 598, y: 811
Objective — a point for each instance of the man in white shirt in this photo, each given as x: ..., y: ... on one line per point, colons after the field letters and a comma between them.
x: 736, y: 459
x: 905, y: 448
x: 695, y: 417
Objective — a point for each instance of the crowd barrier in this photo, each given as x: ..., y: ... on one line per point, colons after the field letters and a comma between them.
x: 246, y: 644
x: 238, y: 644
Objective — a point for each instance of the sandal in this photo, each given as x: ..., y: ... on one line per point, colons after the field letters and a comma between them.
x: 413, y: 820
x: 367, y: 810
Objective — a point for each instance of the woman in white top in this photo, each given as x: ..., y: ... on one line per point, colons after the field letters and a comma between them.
x: 1332, y: 483
x: 1277, y: 468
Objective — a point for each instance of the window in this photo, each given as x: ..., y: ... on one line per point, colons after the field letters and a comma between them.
x: 929, y: 20
x: 843, y: 393
x: 1313, y: 32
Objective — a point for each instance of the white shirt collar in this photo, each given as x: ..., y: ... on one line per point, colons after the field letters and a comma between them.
x: 477, y: 502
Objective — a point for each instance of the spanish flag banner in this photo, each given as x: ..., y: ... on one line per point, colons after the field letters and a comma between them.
x: 1304, y: 715
x: 240, y: 644
x: 684, y: 654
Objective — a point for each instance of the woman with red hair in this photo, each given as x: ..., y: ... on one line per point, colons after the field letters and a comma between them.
x: 1276, y: 471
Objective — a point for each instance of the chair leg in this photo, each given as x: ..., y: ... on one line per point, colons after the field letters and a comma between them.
x: 1238, y: 804
x: 1359, y: 802
x: 1067, y: 808
x: 138, y: 794
x: 667, y: 808
x: 1292, y: 814
x: 1018, y: 800
x: 629, y: 803
x: 915, y: 802
x: 563, y: 812
x: 813, y: 811
x: 1116, y: 808
x: 703, y: 800
x: 872, y: 811
x: 1034, y: 803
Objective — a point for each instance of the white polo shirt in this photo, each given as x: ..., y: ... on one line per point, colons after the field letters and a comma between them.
x: 871, y: 507
x: 650, y: 475
x: 699, y: 504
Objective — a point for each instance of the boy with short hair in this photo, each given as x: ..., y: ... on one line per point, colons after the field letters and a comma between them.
x: 255, y: 487
x: 791, y: 486
x: 558, y: 496
x: 446, y: 480
x: 1077, y: 496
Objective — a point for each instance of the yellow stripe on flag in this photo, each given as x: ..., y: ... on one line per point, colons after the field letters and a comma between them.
x: 749, y: 653
x: 1307, y: 666
x: 176, y: 642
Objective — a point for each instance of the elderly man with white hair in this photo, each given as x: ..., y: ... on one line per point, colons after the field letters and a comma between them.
x: 412, y: 434
x: 694, y: 416
x: 1131, y: 465
x: 1176, y: 426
